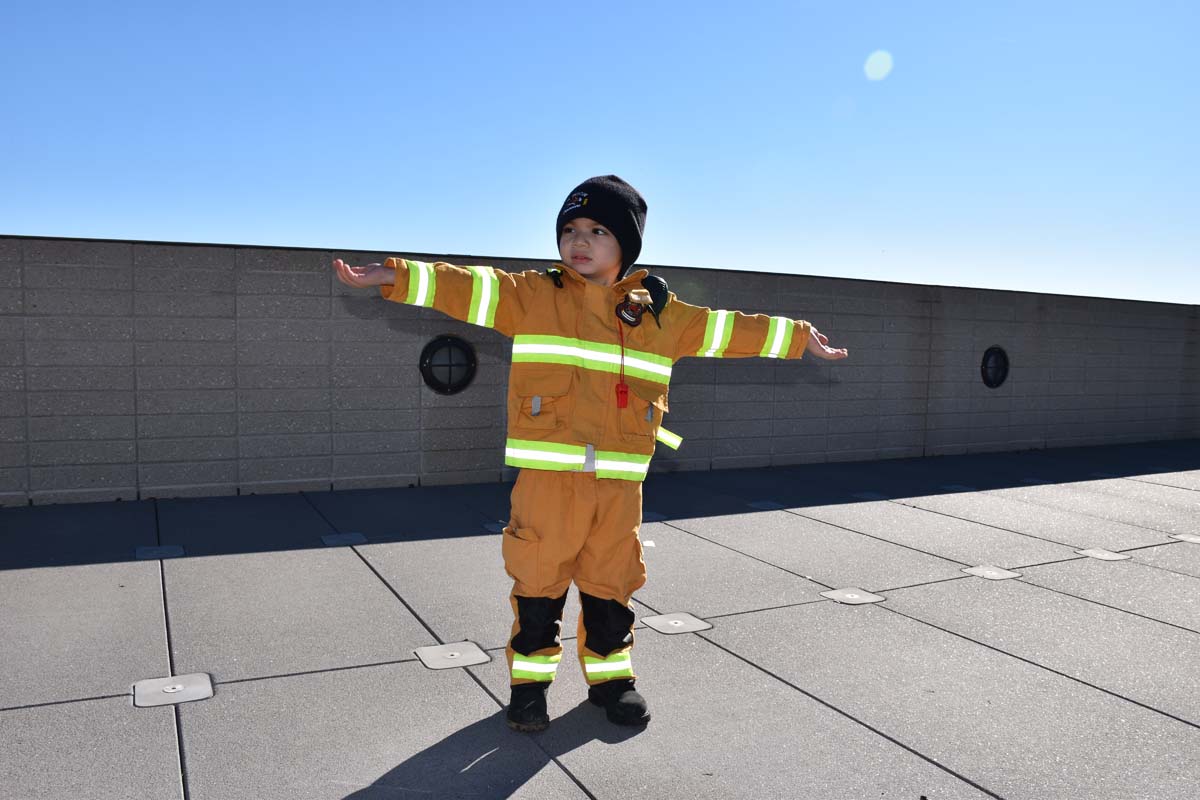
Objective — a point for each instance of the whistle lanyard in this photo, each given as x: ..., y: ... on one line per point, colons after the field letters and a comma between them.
x: 622, y: 388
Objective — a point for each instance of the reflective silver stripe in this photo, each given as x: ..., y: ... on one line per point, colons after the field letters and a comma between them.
x: 532, y: 666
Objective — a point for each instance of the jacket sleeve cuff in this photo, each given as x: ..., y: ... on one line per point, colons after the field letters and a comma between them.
x: 388, y: 290
x: 801, y: 330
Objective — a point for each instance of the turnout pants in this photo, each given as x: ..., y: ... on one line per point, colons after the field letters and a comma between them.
x: 572, y: 526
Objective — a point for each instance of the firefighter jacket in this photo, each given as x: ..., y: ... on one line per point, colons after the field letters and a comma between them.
x: 570, y: 352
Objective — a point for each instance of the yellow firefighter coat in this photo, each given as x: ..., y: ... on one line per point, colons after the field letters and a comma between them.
x: 569, y: 353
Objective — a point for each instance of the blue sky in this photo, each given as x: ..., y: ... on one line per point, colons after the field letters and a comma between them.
x: 1044, y: 146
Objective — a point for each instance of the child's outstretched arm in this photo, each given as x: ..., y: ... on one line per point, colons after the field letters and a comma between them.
x: 732, y: 334
x: 482, y: 296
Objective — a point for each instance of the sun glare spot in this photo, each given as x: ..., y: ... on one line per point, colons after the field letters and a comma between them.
x: 878, y: 65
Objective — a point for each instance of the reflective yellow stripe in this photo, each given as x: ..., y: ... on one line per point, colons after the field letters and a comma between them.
x: 485, y: 295
x: 535, y: 668
x: 671, y: 440
x: 618, y: 665
x: 779, y: 338
x: 599, y: 356
x: 623, y: 466
x: 544, y: 455
x: 422, y: 283
x: 717, y: 332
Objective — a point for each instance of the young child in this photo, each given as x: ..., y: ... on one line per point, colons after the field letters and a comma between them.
x: 592, y: 353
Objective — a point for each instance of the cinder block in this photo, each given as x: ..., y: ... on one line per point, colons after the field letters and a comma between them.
x: 460, y: 460
x: 80, y: 403
x: 742, y: 429
x: 283, y: 378
x: 79, y: 428
x: 12, y: 301
x: 282, y: 354
x: 284, y: 446
x: 189, y: 449
x: 14, y: 485
x: 154, y: 257
x: 278, y: 306
x: 474, y: 396
x: 12, y: 329
x: 169, y: 426
x: 12, y: 354
x: 13, y: 454
x: 741, y: 462
x: 459, y: 439
x: 272, y: 400
x: 250, y: 259
x: 43, y: 302
x: 89, y: 329
x: 64, y: 251
x: 855, y: 424
x: 721, y: 448
x: 10, y: 276
x: 475, y: 417
x: 12, y: 429
x: 294, y: 422
x: 400, y: 353
x: 200, y: 378
x: 45, y: 454
x: 82, y: 279
x: 12, y: 379
x: 380, y: 442
x: 190, y: 281
x: 260, y: 474
x: 284, y: 283
x: 10, y: 249
x: 790, y: 458
x: 403, y: 466
x: 375, y: 482
x: 184, y: 329
x: 153, y: 304
x: 120, y: 479
x: 800, y: 426
x: 742, y: 411
x: 152, y: 491
x: 12, y: 404
x: 102, y: 495
x: 211, y: 401
x: 78, y: 353
x: 47, y: 379
x: 284, y: 330
x: 191, y: 354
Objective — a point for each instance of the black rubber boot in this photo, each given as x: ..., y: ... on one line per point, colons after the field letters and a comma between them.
x: 620, y: 701
x: 527, y: 707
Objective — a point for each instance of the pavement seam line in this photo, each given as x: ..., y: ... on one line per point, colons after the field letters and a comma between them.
x: 1168, y: 485
x: 851, y: 717
x: 747, y: 555
x: 1079, y: 513
x: 1028, y: 582
x: 124, y: 695
x: 878, y: 538
x: 324, y: 671
x: 1051, y: 670
x: 986, y: 524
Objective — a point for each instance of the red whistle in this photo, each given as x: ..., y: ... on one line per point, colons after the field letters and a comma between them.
x: 622, y: 395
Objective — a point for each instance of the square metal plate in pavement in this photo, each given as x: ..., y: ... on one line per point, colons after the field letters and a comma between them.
x: 678, y: 622
x: 992, y: 573
x: 449, y: 656
x: 173, y: 690
x: 852, y: 596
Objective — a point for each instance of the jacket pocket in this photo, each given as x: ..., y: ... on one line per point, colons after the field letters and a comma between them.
x: 521, y: 549
x: 540, y: 400
x: 647, y: 404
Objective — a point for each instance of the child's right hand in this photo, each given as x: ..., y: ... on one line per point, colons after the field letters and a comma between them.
x: 362, y: 277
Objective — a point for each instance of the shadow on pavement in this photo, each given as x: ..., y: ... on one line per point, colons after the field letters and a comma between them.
x: 488, y: 760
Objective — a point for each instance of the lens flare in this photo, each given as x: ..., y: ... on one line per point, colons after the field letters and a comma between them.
x: 878, y: 66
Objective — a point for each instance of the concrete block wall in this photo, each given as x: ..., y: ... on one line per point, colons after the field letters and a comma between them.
x: 136, y: 369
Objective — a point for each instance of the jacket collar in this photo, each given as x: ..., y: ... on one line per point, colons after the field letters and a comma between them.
x: 632, y: 279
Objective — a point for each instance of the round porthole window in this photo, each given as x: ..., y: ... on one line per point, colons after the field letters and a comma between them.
x: 448, y: 364
x: 994, y: 367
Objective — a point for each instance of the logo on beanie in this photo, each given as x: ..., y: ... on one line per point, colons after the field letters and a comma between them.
x: 577, y: 200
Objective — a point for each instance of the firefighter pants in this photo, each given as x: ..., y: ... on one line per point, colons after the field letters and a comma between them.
x: 573, y: 526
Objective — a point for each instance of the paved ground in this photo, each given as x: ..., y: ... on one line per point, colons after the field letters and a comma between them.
x: 1078, y: 679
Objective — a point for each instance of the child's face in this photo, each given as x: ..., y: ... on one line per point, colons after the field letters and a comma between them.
x: 590, y: 249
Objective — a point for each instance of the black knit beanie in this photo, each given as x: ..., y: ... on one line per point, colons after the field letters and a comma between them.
x: 614, y: 204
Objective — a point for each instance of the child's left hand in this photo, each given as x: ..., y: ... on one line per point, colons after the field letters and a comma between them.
x: 818, y: 345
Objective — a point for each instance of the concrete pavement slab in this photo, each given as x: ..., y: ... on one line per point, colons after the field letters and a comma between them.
x: 96, y: 749
x: 77, y: 632
x: 1069, y: 497
x: 966, y: 542
x: 1132, y: 656
x: 397, y: 730
x: 1013, y: 728
x: 1150, y: 494
x: 1180, y: 480
x: 246, y: 524
x: 690, y: 573
x: 1062, y: 527
x: 1133, y: 586
x: 1181, y: 557
x: 822, y: 553
x: 84, y: 533
x: 720, y: 729
x: 263, y: 614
